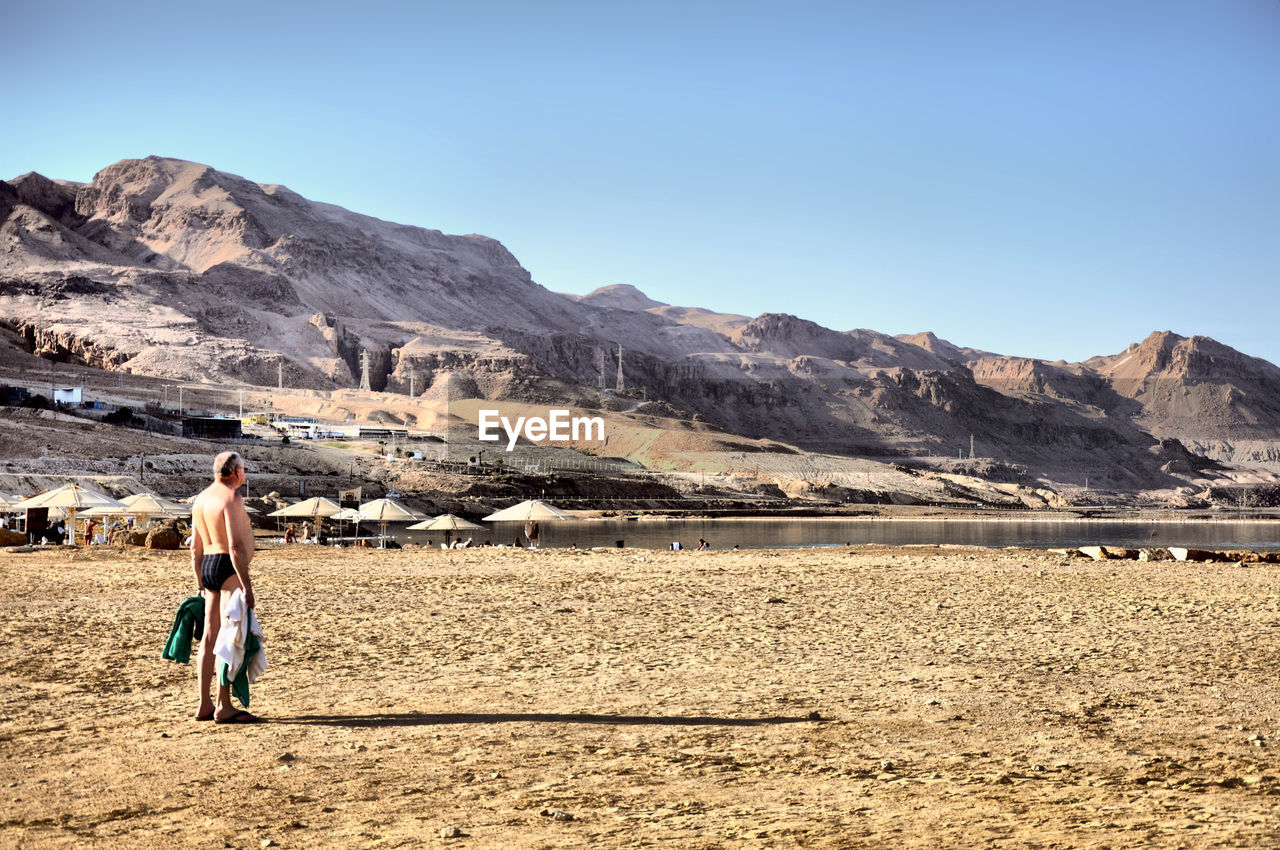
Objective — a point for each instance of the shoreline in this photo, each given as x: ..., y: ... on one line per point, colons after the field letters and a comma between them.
x: 960, y: 517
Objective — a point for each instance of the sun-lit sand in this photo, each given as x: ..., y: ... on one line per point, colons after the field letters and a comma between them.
x: 926, y: 697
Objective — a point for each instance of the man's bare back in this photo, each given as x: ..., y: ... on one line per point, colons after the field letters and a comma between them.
x: 222, y: 526
x: 221, y: 523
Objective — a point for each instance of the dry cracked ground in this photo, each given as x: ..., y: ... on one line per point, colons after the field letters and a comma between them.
x: 864, y: 697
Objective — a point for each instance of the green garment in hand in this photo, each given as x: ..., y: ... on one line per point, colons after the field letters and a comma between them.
x: 188, y: 625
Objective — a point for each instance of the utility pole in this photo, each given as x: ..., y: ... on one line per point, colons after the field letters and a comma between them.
x: 412, y: 382
x: 970, y: 447
x: 180, y: 400
x: 621, y: 385
x: 280, y: 375
x: 364, y: 370
x: 600, y: 368
x: 241, y: 404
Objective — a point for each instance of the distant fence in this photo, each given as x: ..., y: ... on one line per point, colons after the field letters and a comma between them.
x: 544, y: 466
x: 539, y: 466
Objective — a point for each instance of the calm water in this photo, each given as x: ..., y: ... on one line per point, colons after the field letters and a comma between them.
x: 791, y: 533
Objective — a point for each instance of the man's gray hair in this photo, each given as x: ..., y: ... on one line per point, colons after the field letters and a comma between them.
x: 224, y: 465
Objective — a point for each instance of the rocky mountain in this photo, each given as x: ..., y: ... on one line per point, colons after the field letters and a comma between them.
x: 1210, y: 397
x: 1216, y: 400
x: 174, y: 269
x: 177, y: 269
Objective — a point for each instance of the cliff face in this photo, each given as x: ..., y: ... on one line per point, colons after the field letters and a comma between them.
x: 182, y: 270
x: 1196, y: 387
x: 175, y: 269
x: 1209, y: 396
x: 1205, y: 395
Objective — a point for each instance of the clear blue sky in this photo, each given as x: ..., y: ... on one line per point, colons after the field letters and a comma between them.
x: 1048, y: 178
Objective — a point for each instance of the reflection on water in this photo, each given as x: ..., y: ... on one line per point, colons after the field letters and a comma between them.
x: 789, y: 533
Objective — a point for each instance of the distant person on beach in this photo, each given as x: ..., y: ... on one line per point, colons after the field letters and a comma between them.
x: 703, y: 545
x: 306, y: 532
x: 221, y: 549
x: 291, y: 534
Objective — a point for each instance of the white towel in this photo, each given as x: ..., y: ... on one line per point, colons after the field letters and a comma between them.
x: 238, y: 620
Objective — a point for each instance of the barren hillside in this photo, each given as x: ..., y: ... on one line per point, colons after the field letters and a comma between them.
x: 173, y: 269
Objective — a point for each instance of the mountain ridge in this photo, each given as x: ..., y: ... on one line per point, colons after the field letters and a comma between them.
x: 175, y: 269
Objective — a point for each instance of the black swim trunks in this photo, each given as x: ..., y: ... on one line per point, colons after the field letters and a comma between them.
x: 215, y: 570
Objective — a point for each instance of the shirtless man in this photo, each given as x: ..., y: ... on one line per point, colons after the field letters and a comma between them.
x: 221, y: 548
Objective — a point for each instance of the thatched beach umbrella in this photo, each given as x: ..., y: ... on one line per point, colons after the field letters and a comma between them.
x: 143, y: 507
x: 71, y: 497
x: 448, y: 524
x: 348, y: 515
x: 530, y: 512
x: 6, y: 504
x: 383, y: 511
x: 314, y: 509
x: 146, y: 505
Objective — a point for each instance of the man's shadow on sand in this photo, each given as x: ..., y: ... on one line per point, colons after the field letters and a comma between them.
x: 416, y: 719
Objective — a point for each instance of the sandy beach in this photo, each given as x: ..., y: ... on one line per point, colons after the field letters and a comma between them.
x: 869, y: 697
